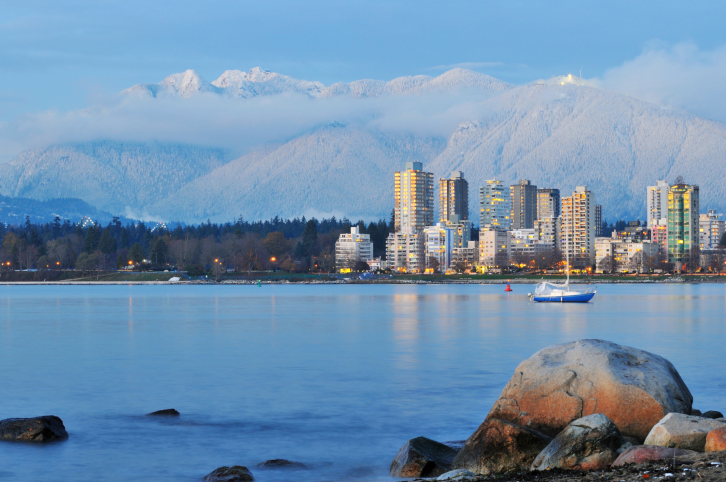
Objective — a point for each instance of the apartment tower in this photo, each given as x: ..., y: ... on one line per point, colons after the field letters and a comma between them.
x: 548, y: 203
x: 657, y: 203
x: 495, y: 205
x: 453, y: 198
x: 524, y: 204
x: 414, y: 207
x: 683, y: 221
x: 577, y: 229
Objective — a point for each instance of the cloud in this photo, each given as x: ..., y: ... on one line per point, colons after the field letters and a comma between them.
x: 680, y: 76
x: 209, y: 119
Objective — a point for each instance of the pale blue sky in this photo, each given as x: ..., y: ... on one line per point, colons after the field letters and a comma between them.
x: 59, y: 55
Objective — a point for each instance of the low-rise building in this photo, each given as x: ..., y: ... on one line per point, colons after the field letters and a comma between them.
x: 659, y: 235
x: 493, y: 248
x: 405, y: 251
x: 526, y: 244
x: 615, y: 255
x: 352, y: 248
x: 468, y: 256
x: 439, y: 240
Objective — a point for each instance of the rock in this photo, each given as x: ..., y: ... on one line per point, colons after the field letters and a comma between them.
x: 498, y: 446
x: 167, y: 412
x: 682, y: 431
x: 281, y: 463
x: 640, y: 454
x: 712, y: 414
x: 697, y: 413
x: 36, y: 429
x: 562, y: 383
x: 456, y: 475
x: 588, y: 443
x: 716, y: 440
x: 422, y: 457
x: 236, y: 473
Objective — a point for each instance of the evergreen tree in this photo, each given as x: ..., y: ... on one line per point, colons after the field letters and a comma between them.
x: 91, y: 241
x: 136, y: 253
x: 124, y: 238
x: 723, y: 241
x: 56, y: 227
x: 119, y: 261
x: 105, y: 243
x: 309, y: 238
x: 158, y: 251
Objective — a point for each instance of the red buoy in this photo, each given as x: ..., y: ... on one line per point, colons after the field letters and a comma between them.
x: 508, y: 288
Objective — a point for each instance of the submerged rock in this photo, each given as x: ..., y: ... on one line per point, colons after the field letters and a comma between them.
x: 36, y: 429
x: 716, y: 440
x: 235, y: 473
x: 167, y: 412
x: 562, y: 383
x: 640, y: 454
x: 677, y: 430
x: 498, y: 446
x: 422, y: 457
x: 281, y: 463
x: 589, y: 443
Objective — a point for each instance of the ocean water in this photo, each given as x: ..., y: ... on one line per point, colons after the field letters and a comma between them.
x: 336, y: 377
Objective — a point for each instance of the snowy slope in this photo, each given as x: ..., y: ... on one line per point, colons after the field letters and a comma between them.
x: 557, y: 133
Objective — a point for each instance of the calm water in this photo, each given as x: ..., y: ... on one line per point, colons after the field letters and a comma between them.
x: 336, y: 377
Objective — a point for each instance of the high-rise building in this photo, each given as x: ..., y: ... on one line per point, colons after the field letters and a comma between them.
x: 414, y: 207
x: 598, y: 220
x: 657, y: 202
x: 351, y: 248
x: 547, y: 230
x: 495, y: 205
x: 659, y: 235
x: 548, y: 203
x: 453, y: 198
x: 683, y: 222
x: 710, y: 230
x: 524, y: 205
x: 577, y: 230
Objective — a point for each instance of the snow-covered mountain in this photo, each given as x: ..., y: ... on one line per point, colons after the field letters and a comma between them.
x: 257, y: 81
x: 558, y: 133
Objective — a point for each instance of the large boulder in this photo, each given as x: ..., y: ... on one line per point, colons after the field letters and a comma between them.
x: 281, y: 464
x: 716, y: 440
x: 562, y: 383
x: 235, y: 473
x: 640, y: 454
x: 36, y: 429
x: 588, y: 443
x: 712, y: 414
x: 677, y: 430
x: 422, y: 457
x: 498, y: 446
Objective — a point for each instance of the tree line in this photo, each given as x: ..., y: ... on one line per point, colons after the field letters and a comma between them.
x: 295, y: 245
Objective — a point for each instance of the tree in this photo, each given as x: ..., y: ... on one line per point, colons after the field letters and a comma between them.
x: 276, y: 244
x: 158, y: 251
x: 433, y: 263
x: 136, y: 253
x: 722, y: 242
x: 606, y: 264
x: 361, y: 266
x: 105, y: 243
x: 90, y: 242
x: 309, y: 238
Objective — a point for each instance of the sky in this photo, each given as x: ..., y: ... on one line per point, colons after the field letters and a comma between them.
x: 58, y: 57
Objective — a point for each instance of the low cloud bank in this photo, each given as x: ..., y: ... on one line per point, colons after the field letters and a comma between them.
x: 681, y: 76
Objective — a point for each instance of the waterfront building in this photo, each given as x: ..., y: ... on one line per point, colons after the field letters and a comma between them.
x: 683, y: 222
x: 495, y: 205
x: 577, y: 228
x: 467, y: 255
x: 439, y: 241
x: 614, y: 255
x: 462, y: 232
x: 659, y: 235
x: 351, y: 248
x: 710, y: 230
x: 657, y: 197
x: 525, y: 245
x: 453, y: 198
x: 414, y: 189
x: 405, y: 251
x: 524, y: 205
x: 375, y: 264
x: 493, y: 247
x: 634, y: 231
x: 548, y: 203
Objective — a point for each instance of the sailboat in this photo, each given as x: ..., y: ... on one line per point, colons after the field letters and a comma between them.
x: 555, y: 293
